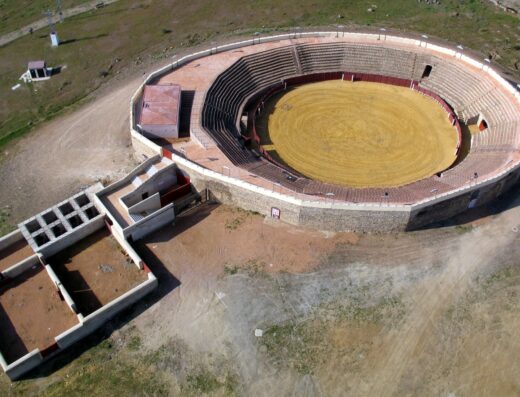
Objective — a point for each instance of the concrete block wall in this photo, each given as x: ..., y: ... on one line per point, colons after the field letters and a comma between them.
x: 127, y: 248
x: 11, y: 238
x: 73, y: 236
x: 21, y: 266
x: 151, y: 203
x: 59, y: 226
x: 64, y: 293
x: 149, y: 224
x: 100, y: 316
x: 161, y: 180
x: 17, y: 268
x: 22, y: 365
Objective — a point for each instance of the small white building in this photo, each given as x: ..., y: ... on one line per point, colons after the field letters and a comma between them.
x: 36, y: 71
x: 160, y: 111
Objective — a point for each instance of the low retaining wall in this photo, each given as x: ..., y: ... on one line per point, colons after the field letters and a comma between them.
x: 73, y: 237
x: 151, y: 223
x: 64, y: 293
x: 10, y: 239
x: 21, y: 266
x: 22, y: 365
x: 425, y: 214
x: 100, y: 316
x: 340, y: 216
x: 323, y: 216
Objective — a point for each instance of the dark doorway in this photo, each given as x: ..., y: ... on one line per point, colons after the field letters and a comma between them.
x: 185, y: 112
x: 144, y: 196
x: 427, y: 71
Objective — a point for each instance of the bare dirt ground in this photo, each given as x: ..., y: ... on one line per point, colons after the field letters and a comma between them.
x: 96, y: 271
x: 32, y: 314
x: 426, y: 313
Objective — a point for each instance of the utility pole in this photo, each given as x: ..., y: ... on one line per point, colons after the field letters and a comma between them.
x: 54, y: 36
x: 58, y: 8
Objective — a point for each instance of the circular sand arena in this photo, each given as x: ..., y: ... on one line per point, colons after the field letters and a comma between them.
x: 360, y: 134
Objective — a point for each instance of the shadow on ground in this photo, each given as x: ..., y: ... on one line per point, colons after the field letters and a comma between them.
x: 70, y: 41
x: 506, y: 201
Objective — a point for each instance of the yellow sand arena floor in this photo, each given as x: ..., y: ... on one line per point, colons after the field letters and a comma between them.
x: 361, y: 134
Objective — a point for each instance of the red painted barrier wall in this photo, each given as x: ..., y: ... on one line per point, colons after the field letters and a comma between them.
x: 182, y: 188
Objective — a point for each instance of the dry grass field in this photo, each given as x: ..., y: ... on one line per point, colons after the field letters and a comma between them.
x: 360, y: 134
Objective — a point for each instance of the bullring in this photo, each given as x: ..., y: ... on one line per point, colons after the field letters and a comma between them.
x: 226, y: 87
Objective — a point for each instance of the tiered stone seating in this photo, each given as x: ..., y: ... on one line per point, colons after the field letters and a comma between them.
x: 495, y: 106
x: 316, y: 58
x: 457, y: 86
x: 232, y: 88
x: 502, y: 137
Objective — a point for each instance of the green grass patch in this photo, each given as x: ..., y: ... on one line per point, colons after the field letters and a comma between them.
x: 5, y: 224
x: 194, y: 374
x: 230, y: 270
x: 300, y: 346
x: 17, y: 14
x: 462, y: 229
x: 357, y: 312
x: 233, y: 224
x: 239, y: 217
x: 252, y: 268
x: 103, y: 370
x: 304, y: 345
x: 135, y: 343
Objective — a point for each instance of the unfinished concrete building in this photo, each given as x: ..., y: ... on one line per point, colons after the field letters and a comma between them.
x: 63, y: 273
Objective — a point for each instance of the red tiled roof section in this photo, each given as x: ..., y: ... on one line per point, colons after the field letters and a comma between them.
x: 161, y: 105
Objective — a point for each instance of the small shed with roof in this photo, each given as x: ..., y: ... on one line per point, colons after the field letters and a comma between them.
x: 160, y: 111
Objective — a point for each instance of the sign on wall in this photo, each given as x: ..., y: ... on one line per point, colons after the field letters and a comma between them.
x: 275, y: 213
